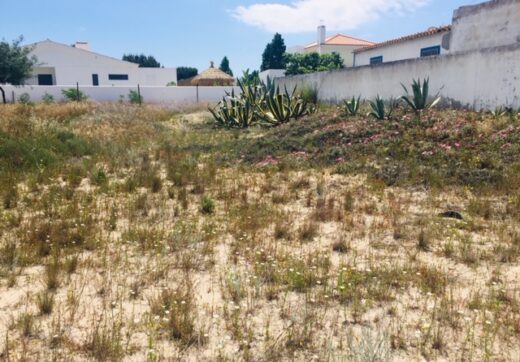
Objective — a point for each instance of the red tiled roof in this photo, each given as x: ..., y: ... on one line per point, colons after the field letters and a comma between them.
x: 340, y: 39
x: 422, y: 34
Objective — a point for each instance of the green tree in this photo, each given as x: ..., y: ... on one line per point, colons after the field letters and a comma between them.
x: 250, y: 78
x: 274, y: 54
x: 16, y: 64
x: 224, y: 66
x: 186, y: 72
x: 313, y: 62
x: 143, y: 60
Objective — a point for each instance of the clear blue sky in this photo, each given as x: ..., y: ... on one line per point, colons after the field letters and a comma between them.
x: 180, y: 32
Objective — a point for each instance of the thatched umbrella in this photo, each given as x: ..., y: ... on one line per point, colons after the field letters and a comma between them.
x: 213, y: 77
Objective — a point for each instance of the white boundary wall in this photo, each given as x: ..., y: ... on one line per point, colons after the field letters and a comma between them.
x: 482, y: 70
x: 482, y: 79
x: 114, y: 94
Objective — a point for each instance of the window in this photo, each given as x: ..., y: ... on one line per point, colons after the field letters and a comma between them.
x: 95, y: 80
x: 376, y: 60
x: 118, y: 77
x: 45, y: 79
x: 426, y: 52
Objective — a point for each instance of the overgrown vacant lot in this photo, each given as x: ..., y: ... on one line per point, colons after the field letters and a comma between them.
x: 139, y: 234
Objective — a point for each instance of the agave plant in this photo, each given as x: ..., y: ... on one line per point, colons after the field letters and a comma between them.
x: 299, y: 108
x: 351, y: 107
x: 419, y: 99
x: 378, y: 108
x: 259, y: 104
x: 501, y: 111
x: 234, y: 112
x: 278, y: 110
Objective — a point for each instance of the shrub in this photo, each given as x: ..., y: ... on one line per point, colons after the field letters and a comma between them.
x: 135, y: 97
x: 309, y: 95
x: 24, y: 98
x: 312, y: 62
x: 45, y: 301
x: 73, y: 94
x: 99, y: 177
x: 207, y: 205
x: 308, y: 231
x: 47, y: 98
x: 156, y: 185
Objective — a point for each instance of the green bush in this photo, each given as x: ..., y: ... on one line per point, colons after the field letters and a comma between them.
x: 309, y: 95
x: 135, y: 97
x: 207, y: 205
x: 35, y: 151
x: 73, y: 94
x: 312, y: 62
x: 24, y: 98
x: 47, y: 98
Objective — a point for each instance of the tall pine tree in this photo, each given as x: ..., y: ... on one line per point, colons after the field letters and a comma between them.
x: 274, y: 54
x: 224, y: 66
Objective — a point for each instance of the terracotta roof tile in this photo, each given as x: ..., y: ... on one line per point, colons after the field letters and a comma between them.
x: 340, y: 39
x: 422, y: 34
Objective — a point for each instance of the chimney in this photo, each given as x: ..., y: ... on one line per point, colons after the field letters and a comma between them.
x: 322, y: 32
x: 84, y: 45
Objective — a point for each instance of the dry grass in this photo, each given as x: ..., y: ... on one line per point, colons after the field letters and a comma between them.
x: 145, y: 234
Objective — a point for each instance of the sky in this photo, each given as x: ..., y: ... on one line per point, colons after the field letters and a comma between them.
x: 195, y: 32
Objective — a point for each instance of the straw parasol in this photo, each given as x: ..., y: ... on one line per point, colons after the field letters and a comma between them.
x: 213, y: 77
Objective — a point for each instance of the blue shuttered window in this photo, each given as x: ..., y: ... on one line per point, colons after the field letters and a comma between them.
x: 426, y: 52
x: 376, y: 60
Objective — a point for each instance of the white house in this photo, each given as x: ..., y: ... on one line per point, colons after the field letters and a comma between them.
x: 344, y: 45
x: 434, y: 41
x: 60, y: 64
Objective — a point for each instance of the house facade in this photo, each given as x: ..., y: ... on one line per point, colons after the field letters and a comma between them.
x: 434, y: 41
x: 60, y: 64
x: 341, y: 44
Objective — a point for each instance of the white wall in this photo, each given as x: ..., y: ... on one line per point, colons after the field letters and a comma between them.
x: 409, y: 49
x: 113, y: 94
x: 271, y: 74
x: 490, y: 24
x: 482, y: 79
x: 482, y: 69
x: 73, y: 65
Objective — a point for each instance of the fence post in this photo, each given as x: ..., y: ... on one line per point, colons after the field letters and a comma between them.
x: 139, y: 93
x: 77, y: 91
x: 197, y: 93
x: 12, y: 97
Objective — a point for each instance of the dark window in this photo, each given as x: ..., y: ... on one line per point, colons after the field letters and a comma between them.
x: 426, y: 52
x: 45, y: 79
x: 95, y: 80
x: 118, y: 77
x: 376, y: 60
